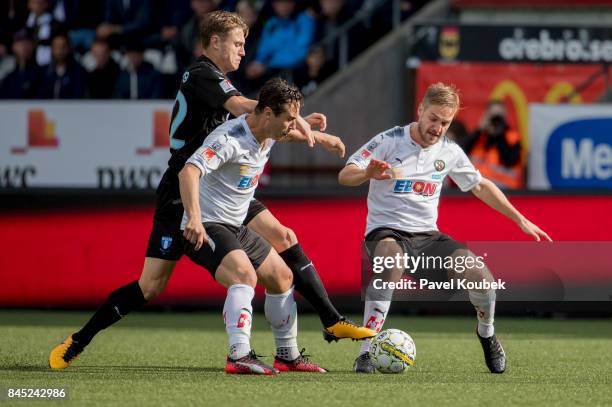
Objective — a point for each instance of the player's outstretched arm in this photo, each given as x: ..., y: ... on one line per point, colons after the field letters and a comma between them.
x: 490, y: 194
x: 333, y: 144
x: 239, y: 105
x: 189, y: 178
x: 352, y: 175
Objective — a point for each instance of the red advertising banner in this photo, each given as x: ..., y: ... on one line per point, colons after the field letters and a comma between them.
x: 516, y: 84
x: 76, y: 258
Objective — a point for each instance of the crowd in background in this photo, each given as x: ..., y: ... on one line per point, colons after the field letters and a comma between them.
x: 138, y: 49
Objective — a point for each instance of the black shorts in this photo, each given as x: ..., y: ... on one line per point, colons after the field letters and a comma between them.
x: 427, y: 244
x: 255, y: 208
x: 223, y: 239
x: 165, y: 238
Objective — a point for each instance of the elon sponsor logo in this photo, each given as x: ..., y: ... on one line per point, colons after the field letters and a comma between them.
x: 41, y: 133
x: 161, y: 126
x: 405, y: 186
x: 248, y: 182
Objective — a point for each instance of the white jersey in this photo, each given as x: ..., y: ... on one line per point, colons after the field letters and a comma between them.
x: 231, y: 161
x: 409, y: 201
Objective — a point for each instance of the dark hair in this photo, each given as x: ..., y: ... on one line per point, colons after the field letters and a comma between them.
x: 276, y: 93
x: 220, y: 23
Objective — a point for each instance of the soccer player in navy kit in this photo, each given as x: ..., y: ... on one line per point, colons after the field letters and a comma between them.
x: 203, y: 102
x: 405, y: 167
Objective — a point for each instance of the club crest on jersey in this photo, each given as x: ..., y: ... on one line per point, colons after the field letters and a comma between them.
x: 247, y: 182
x: 227, y: 86
x: 365, y: 153
x: 439, y: 165
x: 372, y: 146
x: 424, y: 188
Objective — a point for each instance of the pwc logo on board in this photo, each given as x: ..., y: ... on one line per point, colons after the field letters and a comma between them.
x: 41, y: 133
x: 161, y: 125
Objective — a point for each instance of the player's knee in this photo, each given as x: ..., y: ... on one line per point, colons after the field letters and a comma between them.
x: 283, y: 239
x: 280, y: 281
x: 244, y: 275
x: 151, y: 289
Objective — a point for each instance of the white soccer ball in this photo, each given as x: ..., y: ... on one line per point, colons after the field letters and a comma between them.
x: 393, y: 351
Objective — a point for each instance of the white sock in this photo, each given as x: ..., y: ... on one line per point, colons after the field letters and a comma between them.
x: 237, y: 315
x: 374, y: 315
x: 484, y: 303
x: 281, y: 313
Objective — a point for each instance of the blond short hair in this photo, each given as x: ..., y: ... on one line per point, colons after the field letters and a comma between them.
x: 440, y: 94
x: 220, y: 23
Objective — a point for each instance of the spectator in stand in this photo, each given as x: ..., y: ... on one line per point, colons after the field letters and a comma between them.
x: 284, y: 42
x: 333, y: 14
x: 309, y: 76
x: 102, y: 80
x: 171, y: 15
x: 23, y: 82
x: 495, y: 149
x: 126, y: 21
x: 64, y: 78
x: 139, y: 80
x: 13, y: 16
x: 81, y: 18
x: 43, y: 27
x: 190, y: 33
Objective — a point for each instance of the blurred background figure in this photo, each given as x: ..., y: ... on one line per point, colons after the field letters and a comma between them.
x: 64, y: 78
x: 43, y: 27
x: 495, y: 149
x: 101, y: 81
x: 139, y: 79
x: 284, y: 42
x: 13, y: 15
x: 80, y: 18
x: 127, y: 21
x: 173, y: 14
x: 24, y: 80
x: 314, y: 71
x: 334, y: 13
x: 189, y: 36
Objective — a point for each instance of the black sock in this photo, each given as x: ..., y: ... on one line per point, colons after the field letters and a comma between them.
x: 307, y: 282
x: 118, y: 304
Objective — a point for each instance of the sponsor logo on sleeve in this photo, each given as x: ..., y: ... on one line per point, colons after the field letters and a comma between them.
x: 227, y: 86
x: 365, y: 153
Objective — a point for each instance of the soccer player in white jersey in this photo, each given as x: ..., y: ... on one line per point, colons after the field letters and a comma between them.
x: 217, y: 185
x: 406, y: 167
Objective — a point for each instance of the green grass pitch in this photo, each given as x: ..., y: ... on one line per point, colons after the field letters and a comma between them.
x: 177, y: 359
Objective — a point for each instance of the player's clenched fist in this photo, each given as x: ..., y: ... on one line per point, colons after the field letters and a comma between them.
x: 195, y: 233
x: 376, y: 170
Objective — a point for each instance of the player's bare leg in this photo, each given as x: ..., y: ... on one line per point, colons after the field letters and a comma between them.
x: 305, y: 277
x: 377, y: 308
x: 153, y: 280
x: 484, y: 303
x: 281, y: 312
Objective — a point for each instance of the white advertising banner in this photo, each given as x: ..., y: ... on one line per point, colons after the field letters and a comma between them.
x: 570, y: 146
x: 83, y: 144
